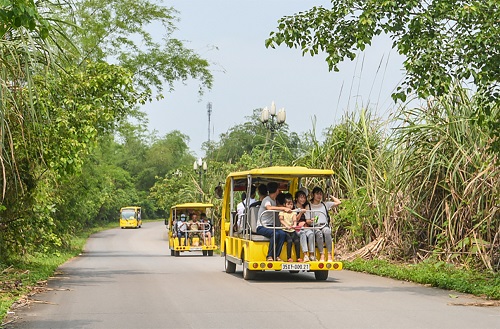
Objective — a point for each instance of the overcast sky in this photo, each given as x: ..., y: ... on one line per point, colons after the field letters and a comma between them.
x: 231, y: 34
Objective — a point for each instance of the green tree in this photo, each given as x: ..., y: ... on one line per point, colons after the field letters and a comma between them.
x: 74, y: 108
x: 164, y: 155
x: 18, y: 15
x: 444, y: 41
x: 59, y: 99
x: 94, y: 194
x: 253, y: 139
x: 132, y: 140
x: 175, y: 187
x: 79, y: 106
x: 25, y: 48
x: 118, y: 31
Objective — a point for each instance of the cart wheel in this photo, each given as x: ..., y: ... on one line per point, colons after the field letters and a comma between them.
x: 229, y: 266
x: 321, y: 275
x: 247, y: 274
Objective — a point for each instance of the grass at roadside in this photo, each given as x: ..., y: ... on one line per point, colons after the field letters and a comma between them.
x: 436, y: 274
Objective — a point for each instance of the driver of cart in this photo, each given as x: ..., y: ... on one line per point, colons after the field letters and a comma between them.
x: 182, y: 229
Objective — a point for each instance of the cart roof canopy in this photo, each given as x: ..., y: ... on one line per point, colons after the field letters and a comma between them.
x: 277, y: 173
x: 193, y: 205
x: 283, y: 172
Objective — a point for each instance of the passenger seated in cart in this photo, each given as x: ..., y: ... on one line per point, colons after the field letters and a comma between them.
x: 289, y: 222
x: 265, y: 222
x: 319, y: 213
x: 262, y: 189
x: 195, y: 229
x: 306, y: 235
x: 240, y: 208
x: 240, y: 212
x: 206, y: 226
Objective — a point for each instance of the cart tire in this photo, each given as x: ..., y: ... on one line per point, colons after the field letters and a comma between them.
x: 230, y: 267
x: 204, y: 252
x: 172, y: 252
x: 210, y: 252
x: 247, y: 274
x: 321, y: 275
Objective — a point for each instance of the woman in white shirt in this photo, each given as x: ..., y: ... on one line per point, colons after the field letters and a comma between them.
x: 319, y: 214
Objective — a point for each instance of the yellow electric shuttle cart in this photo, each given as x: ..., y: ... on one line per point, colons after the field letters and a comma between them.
x: 184, y: 236
x: 130, y: 217
x: 240, y: 245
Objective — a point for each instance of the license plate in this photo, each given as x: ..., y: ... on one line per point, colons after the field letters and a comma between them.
x: 295, y: 267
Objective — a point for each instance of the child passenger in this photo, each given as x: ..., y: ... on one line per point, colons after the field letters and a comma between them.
x: 289, y: 222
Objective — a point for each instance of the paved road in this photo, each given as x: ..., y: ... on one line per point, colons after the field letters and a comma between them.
x: 127, y: 279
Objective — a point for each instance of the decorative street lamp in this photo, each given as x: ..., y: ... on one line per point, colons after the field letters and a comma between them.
x: 272, y: 121
x: 199, y: 167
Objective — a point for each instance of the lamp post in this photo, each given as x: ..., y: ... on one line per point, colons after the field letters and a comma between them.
x: 272, y: 121
x: 199, y: 167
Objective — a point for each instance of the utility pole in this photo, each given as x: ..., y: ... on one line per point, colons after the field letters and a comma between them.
x: 209, y: 112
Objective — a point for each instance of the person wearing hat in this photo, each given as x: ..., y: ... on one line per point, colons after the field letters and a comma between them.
x: 182, y: 229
